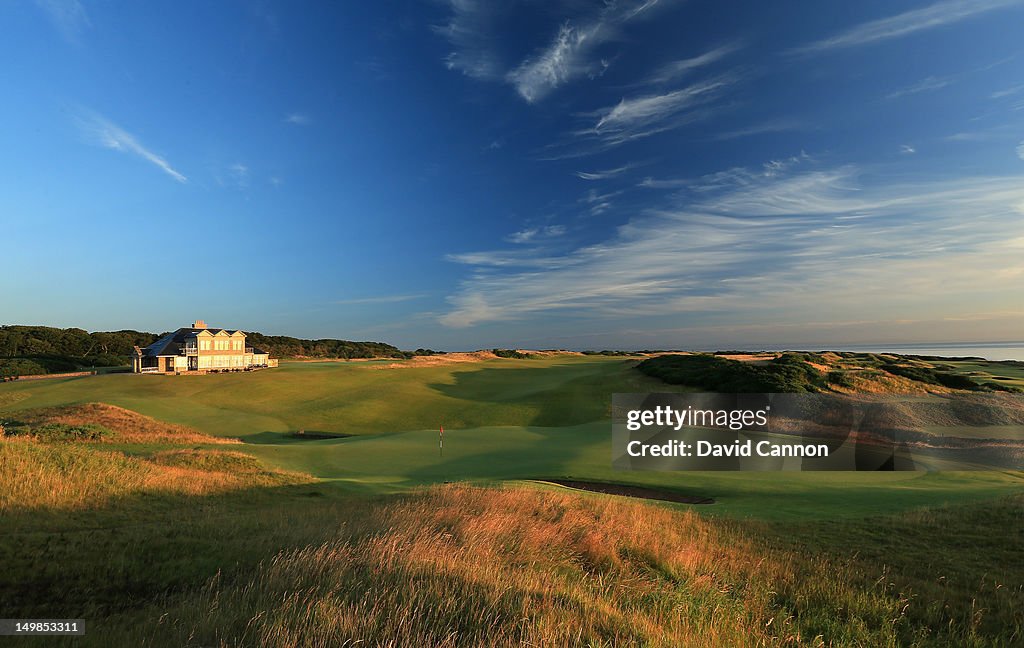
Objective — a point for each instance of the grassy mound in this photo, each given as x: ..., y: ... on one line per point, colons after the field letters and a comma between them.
x: 931, y: 376
x: 463, y: 566
x: 210, y: 461
x: 785, y: 374
x: 36, y: 476
x: 55, y: 432
x: 99, y: 422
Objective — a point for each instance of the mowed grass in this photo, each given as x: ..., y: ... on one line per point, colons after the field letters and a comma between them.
x: 540, y: 419
x: 1001, y: 373
x: 358, y: 398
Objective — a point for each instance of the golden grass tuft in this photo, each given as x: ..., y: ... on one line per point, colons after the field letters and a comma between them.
x: 464, y: 566
x: 127, y: 426
x: 63, y: 477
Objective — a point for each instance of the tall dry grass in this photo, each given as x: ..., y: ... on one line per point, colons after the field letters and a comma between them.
x: 463, y: 566
x: 126, y: 426
x: 67, y: 476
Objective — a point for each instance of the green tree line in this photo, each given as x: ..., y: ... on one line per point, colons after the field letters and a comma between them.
x: 27, y: 350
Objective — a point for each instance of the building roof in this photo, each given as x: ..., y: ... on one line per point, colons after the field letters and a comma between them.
x: 172, y: 343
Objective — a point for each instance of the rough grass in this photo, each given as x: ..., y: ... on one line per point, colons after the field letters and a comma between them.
x: 463, y: 566
x: 237, y: 463
x: 956, y: 567
x: 205, y: 548
x: 113, y: 424
x: 38, y: 475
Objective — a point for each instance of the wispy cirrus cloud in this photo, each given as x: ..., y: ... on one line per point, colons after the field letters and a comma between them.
x: 380, y: 299
x: 904, y: 24
x: 571, y: 54
x: 603, y: 175
x: 239, y: 174
x: 645, y: 115
x: 731, y: 178
x: 598, y: 202
x: 298, y: 119
x: 100, y: 131
x: 762, y: 128
x: 933, y: 83
x: 470, y: 32
x: 647, y: 110
x: 1007, y: 92
x: 928, y: 84
x: 68, y: 16
x: 564, y: 59
x: 534, y: 234
x: 506, y: 259
x: 676, y: 70
x: 804, y: 241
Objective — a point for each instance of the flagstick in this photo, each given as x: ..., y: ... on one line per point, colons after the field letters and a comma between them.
x: 440, y: 442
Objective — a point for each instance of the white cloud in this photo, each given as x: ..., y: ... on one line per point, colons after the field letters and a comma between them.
x: 299, y: 119
x: 1007, y: 92
x: 533, y: 234
x: 907, y: 149
x: 652, y: 183
x: 909, y: 22
x: 597, y: 202
x: 565, y: 58
x: 68, y: 16
x: 102, y: 132
x: 603, y: 175
x: 928, y: 84
x: 383, y: 299
x: 776, y: 126
x: 642, y: 116
x: 730, y: 178
x: 469, y: 31
x: 1020, y: 150
x: 506, y: 258
x: 240, y: 174
x: 749, y: 244
x: 1002, y: 132
x: 675, y: 70
x: 474, y: 26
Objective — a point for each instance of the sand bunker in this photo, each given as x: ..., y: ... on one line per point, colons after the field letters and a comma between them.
x: 632, y: 491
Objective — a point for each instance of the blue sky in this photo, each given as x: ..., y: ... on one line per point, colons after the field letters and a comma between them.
x: 461, y: 174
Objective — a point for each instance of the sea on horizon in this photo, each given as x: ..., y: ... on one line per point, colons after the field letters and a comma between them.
x: 986, y: 350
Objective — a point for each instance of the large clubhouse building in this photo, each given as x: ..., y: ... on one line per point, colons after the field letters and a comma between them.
x: 200, y: 349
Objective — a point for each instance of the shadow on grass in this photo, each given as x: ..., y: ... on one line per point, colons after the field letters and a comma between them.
x: 561, y: 394
x: 296, y: 436
x: 87, y: 563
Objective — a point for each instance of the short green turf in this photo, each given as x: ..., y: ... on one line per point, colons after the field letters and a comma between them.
x: 504, y: 420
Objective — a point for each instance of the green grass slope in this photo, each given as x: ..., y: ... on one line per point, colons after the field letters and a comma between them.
x: 358, y: 398
x: 504, y: 420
